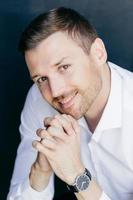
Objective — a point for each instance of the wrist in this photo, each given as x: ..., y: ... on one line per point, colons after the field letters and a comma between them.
x: 76, y: 172
x: 81, y: 182
x: 39, y: 178
x: 44, y: 170
x: 94, y: 191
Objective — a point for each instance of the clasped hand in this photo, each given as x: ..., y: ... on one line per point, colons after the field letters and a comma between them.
x: 60, y: 144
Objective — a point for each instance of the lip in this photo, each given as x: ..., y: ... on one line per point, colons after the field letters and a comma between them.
x: 68, y: 102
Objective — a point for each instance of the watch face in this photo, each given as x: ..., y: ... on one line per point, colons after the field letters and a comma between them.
x: 82, y: 182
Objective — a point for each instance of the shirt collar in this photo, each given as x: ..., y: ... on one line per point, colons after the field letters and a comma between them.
x: 112, y: 114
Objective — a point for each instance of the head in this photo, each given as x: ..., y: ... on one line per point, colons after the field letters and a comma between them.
x: 58, y: 20
x: 65, y: 57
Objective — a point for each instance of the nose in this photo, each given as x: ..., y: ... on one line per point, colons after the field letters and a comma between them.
x: 57, y: 86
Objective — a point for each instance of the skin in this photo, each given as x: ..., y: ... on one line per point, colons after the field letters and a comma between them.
x: 76, y: 84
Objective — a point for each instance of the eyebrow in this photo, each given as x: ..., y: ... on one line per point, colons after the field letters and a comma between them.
x: 33, y: 77
x: 56, y: 64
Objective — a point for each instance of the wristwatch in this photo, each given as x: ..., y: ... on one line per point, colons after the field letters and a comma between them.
x: 81, y: 182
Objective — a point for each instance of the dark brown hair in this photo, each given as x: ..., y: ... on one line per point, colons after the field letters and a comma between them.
x: 59, y: 19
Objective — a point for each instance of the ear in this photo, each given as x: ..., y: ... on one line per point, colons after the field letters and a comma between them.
x: 98, y: 51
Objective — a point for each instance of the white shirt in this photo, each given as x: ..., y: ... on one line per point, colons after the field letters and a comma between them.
x: 107, y: 153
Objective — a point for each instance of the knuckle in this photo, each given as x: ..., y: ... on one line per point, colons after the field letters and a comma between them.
x: 71, y: 118
x: 49, y: 129
x: 41, y: 133
x: 45, y: 120
x: 56, y: 116
x: 38, y: 131
x: 54, y: 121
x: 64, y: 115
x: 36, y: 145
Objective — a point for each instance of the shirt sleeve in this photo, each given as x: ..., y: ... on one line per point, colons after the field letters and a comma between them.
x: 20, y: 188
x: 24, y: 191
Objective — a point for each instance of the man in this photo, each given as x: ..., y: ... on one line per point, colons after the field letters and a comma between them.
x: 78, y: 113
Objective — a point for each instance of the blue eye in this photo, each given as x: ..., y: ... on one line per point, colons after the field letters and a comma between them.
x: 41, y: 79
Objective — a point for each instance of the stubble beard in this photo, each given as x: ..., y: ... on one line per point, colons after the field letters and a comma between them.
x: 87, y: 98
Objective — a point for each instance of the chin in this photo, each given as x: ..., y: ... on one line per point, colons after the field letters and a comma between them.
x: 76, y: 115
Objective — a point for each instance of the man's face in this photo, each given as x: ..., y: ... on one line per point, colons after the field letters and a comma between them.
x: 68, y: 79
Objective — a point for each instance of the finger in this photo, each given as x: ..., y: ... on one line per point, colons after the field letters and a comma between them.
x: 74, y: 123
x: 47, y: 121
x: 41, y: 148
x: 51, y: 121
x: 66, y: 124
x: 48, y: 143
x: 57, y: 133
x: 42, y: 133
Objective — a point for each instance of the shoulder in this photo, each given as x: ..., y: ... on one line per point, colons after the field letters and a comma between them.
x: 121, y: 70
x: 126, y: 76
x: 34, y: 93
x: 126, y: 79
x: 127, y: 113
x: 36, y: 105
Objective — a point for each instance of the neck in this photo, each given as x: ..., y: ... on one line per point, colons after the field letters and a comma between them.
x: 95, y: 112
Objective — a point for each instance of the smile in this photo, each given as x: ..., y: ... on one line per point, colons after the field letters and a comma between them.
x: 67, y: 102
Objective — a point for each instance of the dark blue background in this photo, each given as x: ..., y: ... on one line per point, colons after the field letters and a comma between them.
x: 114, y: 22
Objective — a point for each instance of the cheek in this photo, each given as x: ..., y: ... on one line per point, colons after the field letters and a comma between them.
x: 81, y: 80
x: 45, y: 91
x: 78, y: 78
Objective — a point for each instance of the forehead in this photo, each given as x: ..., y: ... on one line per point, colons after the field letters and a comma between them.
x: 43, y: 59
x: 55, y: 46
x: 58, y: 41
